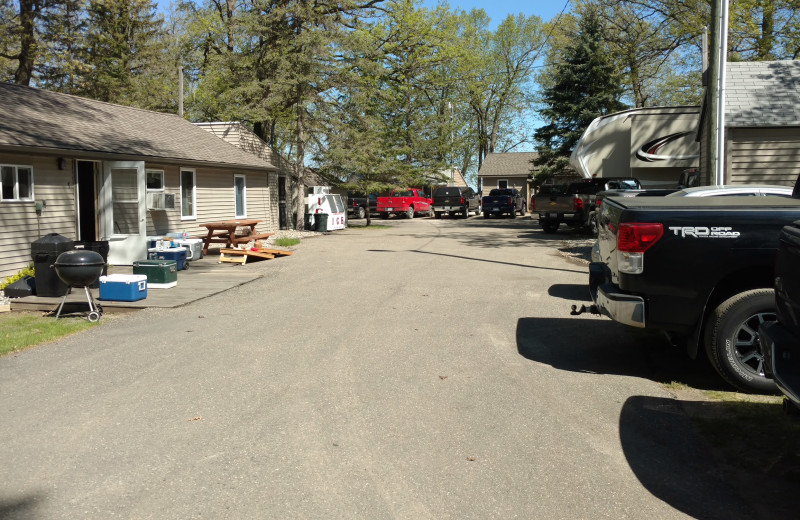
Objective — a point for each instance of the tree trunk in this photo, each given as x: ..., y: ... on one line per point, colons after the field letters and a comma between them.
x: 27, y: 43
x: 299, y: 166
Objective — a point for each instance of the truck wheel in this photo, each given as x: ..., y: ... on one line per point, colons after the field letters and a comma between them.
x: 384, y: 215
x: 465, y: 212
x: 361, y: 212
x: 437, y: 214
x: 410, y: 212
x: 732, y: 339
x: 549, y: 227
x: 513, y: 212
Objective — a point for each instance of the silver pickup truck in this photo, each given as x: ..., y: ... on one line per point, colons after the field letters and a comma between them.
x: 575, y: 206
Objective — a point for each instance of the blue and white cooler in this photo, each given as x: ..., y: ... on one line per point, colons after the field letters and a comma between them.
x: 179, y: 254
x: 123, y: 287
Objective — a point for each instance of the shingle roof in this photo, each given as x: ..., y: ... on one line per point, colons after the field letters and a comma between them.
x: 507, y: 164
x: 762, y: 93
x: 33, y: 118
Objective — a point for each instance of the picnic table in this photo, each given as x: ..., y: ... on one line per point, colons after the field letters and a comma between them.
x: 224, y: 232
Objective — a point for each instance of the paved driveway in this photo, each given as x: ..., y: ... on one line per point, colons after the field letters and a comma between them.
x: 430, y: 370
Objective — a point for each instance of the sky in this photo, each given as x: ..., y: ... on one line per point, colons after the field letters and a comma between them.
x: 498, y: 10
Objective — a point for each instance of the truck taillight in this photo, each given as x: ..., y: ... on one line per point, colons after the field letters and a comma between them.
x: 510, y: 201
x: 577, y: 204
x: 462, y: 201
x: 633, y: 239
x: 638, y: 237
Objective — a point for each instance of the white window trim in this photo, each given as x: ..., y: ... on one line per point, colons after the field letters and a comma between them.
x: 155, y: 190
x: 193, y: 216
x: 244, y: 195
x: 16, y: 183
x: 502, y: 180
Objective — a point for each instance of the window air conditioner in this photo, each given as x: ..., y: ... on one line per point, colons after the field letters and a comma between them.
x: 160, y: 201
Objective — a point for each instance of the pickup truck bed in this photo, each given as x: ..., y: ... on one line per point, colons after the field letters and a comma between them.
x: 711, y: 264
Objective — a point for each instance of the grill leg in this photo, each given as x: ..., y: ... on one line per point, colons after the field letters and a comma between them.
x: 64, y: 299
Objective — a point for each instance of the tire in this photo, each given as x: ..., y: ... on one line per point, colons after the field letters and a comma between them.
x: 513, y: 212
x: 732, y: 340
x: 384, y: 215
x: 94, y: 316
x: 593, y: 223
x: 361, y: 212
x: 465, y: 212
x: 437, y: 214
x: 478, y: 211
x: 410, y: 212
x: 549, y: 227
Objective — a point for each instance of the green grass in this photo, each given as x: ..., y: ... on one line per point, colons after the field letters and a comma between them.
x: 371, y: 226
x: 287, y: 242
x: 20, y: 330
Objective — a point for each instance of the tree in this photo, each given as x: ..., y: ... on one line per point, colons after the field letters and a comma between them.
x: 123, y: 45
x: 497, y: 70
x: 585, y: 85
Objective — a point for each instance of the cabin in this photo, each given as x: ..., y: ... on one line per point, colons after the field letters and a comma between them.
x: 95, y: 171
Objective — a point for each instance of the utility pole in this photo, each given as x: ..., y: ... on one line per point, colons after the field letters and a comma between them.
x: 714, y: 164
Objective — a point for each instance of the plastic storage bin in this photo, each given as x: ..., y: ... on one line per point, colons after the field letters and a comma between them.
x: 194, y: 247
x: 179, y: 254
x: 161, y: 274
x: 123, y: 287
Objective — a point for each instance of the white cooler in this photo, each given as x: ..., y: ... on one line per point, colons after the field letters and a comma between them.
x: 194, y: 247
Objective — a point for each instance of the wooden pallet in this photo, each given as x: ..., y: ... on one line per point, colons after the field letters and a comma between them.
x: 240, y: 256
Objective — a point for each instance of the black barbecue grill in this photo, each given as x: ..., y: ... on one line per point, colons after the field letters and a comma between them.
x: 80, y: 268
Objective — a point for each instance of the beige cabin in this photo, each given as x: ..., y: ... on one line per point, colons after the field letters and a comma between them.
x: 93, y: 171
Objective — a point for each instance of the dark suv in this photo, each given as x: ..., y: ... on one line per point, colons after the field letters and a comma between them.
x: 780, y: 341
x: 358, y: 204
x: 455, y: 200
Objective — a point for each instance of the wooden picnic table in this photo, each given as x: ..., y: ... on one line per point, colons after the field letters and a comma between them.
x: 224, y: 232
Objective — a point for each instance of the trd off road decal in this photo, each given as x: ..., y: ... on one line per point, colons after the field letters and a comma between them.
x: 704, y: 232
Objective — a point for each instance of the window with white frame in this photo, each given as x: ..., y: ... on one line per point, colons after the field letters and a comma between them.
x: 502, y: 184
x: 240, y: 195
x: 16, y: 182
x: 188, y: 194
x: 155, y: 180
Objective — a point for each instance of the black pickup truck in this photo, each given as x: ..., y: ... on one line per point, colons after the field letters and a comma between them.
x: 780, y: 341
x: 698, y: 269
x: 503, y: 201
x: 455, y: 200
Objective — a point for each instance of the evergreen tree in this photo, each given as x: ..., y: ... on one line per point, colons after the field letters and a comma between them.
x: 124, y: 41
x: 584, y: 86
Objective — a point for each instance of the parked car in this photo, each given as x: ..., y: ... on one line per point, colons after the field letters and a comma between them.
x: 734, y: 190
x: 358, y: 204
x: 575, y: 206
x: 404, y: 201
x: 698, y: 269
x: 503, y: 201
x: 780, y: 340
x: 455, y: 200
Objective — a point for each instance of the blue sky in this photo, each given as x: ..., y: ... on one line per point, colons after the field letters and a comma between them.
x: 498, y: 10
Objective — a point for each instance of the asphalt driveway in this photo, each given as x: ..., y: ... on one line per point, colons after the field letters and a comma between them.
x: 429, y: 370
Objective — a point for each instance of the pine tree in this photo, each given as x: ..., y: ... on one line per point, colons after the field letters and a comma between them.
x: 585, y: 85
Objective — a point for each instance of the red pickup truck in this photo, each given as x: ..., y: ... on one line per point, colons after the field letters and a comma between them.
x: 405, y: 201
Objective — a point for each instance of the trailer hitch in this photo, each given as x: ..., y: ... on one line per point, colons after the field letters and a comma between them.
x: 575, y: 311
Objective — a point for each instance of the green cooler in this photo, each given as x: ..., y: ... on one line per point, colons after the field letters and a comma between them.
x: 161, y: 274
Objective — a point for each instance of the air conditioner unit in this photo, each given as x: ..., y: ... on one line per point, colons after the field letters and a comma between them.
x: 160, y: 200
x: 319, y: 190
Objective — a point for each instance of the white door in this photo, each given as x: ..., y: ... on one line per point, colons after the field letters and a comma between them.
x: 122, y: 220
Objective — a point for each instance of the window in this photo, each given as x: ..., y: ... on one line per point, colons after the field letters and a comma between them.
x: 16, y: 182
x: 239, y: 188
x: 155, y: 180
x: 188, y: 192
x: 502, y: 184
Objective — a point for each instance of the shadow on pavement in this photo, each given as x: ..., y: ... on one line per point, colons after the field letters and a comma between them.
x: 601, y: 346
x: 674, y: 462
